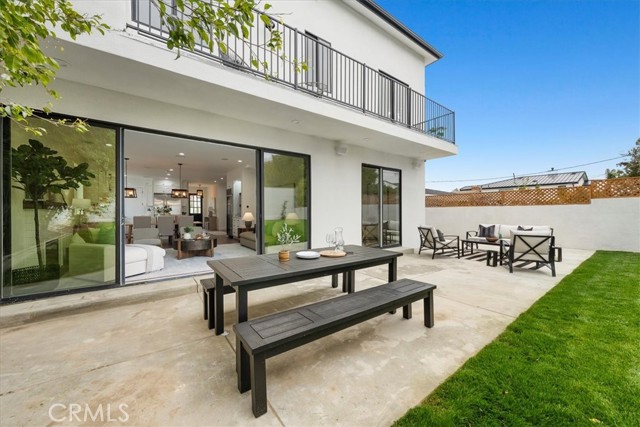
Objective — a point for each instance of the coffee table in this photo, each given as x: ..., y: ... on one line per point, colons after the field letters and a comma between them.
x: 469, y: 243
x: 195, y: 247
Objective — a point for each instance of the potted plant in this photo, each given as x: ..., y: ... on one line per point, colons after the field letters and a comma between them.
x: 37, y: 170
x: 286, y: 237
x: 187, y: 232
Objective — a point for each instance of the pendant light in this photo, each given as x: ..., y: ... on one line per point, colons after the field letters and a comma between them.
x: 199, y: 193
x: 180, y: 193
x: 129, y: 192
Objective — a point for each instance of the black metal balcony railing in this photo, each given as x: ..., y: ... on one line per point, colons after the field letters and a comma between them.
x: 329, y: 74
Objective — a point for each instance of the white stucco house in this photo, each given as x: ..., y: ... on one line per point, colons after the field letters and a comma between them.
x: 341, y: 144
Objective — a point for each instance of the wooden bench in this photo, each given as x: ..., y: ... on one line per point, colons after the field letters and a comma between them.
x: 261, y: 338
x: 209, y: 299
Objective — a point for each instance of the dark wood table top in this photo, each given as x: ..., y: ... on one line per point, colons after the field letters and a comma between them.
x: 260, y: 271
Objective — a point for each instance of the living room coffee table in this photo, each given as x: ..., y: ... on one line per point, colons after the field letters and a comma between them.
x: 195, y: 247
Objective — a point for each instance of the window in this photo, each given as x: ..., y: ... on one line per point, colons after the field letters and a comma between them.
x: 319, y: 63
x: 195, y: 204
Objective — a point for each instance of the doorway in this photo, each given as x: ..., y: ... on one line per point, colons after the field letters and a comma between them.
x: 381, y: 207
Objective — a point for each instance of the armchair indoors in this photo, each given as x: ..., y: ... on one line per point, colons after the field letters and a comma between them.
x: 433, y: 239
x: 141, y: 222
x: 166, y: 227
x: 531, y: 246
x: 146, y: 236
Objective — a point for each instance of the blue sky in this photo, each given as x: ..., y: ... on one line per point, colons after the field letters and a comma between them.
x: 534, y: 84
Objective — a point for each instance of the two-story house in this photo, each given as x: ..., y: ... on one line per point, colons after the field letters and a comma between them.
x: 341, y: 143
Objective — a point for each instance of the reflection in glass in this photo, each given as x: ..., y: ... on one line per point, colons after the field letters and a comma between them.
x: 286, y: 199
x: 62, y: 210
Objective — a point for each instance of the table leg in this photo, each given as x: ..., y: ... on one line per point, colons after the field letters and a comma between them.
x: 393, y: 270
x: 351, y: 281
x: 211, y: 308
x: 218, y: 305
x: 334, y: 281
x: 428, y: 310
x: 242, y: 314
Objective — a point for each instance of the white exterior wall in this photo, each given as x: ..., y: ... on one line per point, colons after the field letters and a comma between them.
x: 606, y: 224
x: 356, y: 36
x: 335, y: 180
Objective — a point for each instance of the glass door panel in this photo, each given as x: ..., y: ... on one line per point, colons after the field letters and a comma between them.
x: 286, y: 199
x: 61, y: 211
x: 370, y: 206
x: 381, y: 189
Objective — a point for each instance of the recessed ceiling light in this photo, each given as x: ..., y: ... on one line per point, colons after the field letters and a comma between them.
x: 295, y: 122
x: 168, y: 174
x: 239, y: 161
x: 222, y: 177
x: 180, y: 154
x: 215, y: 181
x: 171, y: 170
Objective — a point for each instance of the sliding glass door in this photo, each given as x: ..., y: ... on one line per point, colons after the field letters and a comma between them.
x: 381, y: 206
x: 58, y: 207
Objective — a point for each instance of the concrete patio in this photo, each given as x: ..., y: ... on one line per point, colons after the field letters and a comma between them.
x: 144, y: 353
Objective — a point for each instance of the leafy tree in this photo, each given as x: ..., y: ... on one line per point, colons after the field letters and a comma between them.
x: 37, y: 170
x: 630, y: 167
x: 26, y: 24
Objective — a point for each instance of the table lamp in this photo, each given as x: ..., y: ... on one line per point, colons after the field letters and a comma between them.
x: 248, y: 219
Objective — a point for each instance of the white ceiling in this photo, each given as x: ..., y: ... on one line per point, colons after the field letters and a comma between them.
x: 152, y: 155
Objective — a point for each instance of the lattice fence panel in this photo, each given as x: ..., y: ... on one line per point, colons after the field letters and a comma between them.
x: 543, y: 196
x: 619, y: 187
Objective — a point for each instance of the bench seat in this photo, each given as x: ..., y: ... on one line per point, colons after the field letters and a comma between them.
x: 261, y: 338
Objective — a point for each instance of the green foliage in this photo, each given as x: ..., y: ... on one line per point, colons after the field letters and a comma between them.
x: 24, y: 26
x: 211, y: 23
x: 37, y: 170
x: 629, y: 168
x: 286, y: 236
x: 571, y: 360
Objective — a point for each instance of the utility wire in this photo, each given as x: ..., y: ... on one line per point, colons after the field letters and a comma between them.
x: 534, y: 173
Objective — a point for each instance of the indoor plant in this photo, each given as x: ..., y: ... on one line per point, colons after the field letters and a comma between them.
x: 37, y: 170
x: 286, y: 237
x: 187, y: 232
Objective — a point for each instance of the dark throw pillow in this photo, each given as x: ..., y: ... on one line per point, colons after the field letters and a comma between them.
x: 521, y: 228
x: 486, y: 231
x: 440, y: 235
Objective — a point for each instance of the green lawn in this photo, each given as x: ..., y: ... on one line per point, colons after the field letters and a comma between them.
x: 573, y: 359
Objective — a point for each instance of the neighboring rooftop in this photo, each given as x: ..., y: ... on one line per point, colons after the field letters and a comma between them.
x: 432, y: 192
x: 568, y: 179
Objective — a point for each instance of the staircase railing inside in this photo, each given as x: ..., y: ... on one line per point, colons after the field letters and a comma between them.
x: 329, y: 73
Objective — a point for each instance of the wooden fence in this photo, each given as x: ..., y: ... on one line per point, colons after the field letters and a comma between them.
x: 598, y: 189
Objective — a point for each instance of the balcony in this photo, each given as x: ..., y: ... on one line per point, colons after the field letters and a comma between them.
x: 329, y: 74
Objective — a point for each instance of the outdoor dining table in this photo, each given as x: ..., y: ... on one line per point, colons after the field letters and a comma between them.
x: 251, y: 273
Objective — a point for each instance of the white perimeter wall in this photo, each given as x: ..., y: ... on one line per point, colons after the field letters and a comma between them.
x: 335, y: 180
x: 607, y: 224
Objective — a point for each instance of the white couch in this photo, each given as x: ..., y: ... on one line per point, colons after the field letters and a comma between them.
x: 503, y: 231
x: 95, y: 261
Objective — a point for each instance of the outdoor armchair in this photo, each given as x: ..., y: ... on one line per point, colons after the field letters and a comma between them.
x: 433, y: 239
x: 531, y: 246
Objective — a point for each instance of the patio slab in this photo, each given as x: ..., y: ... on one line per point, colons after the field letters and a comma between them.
x: 151, y: 351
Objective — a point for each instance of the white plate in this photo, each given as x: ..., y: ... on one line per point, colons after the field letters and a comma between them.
x: 307, y: 254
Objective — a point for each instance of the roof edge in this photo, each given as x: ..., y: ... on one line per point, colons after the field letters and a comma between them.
x: 391, y: 20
